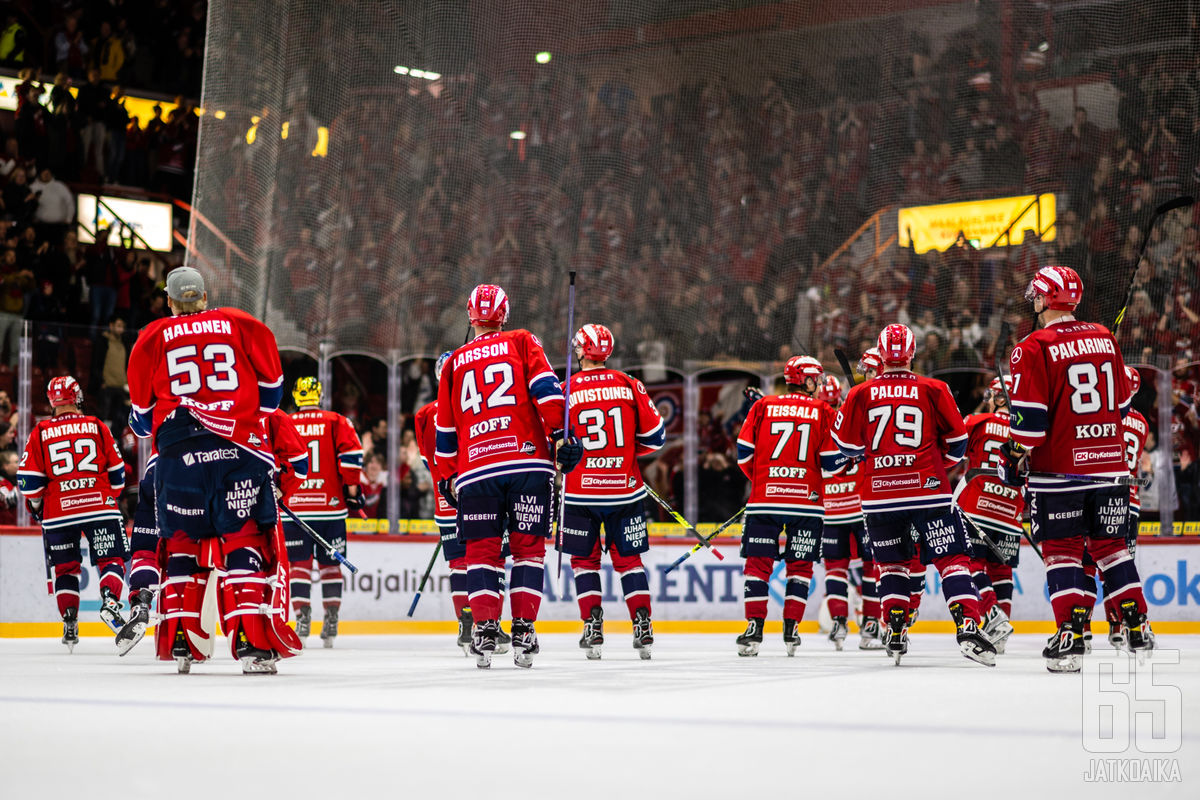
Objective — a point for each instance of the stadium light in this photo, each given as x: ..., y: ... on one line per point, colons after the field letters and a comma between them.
x: 542, y: 57
x: 417, y: 73
x: 400, y: 70
x: 518, y: 135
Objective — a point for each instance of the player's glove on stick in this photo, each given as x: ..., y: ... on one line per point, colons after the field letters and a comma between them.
x: 446, y: 487
x: 1014, y: 464
x: 568, y: 454
x: 35, y: 509
x: 354, y: 502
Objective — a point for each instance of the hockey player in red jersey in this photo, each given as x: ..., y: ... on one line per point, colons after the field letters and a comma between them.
x: 843, y: 535
x: 783, y: 447
x: 500, y: 410
x: 71, y: 474
x: 618, y: 423
x: 907, y: 430
x: 321, y: 500
x: 992, y: 509
x: 1070, y: 393
x: 200, y: 383
x: 453, y: 549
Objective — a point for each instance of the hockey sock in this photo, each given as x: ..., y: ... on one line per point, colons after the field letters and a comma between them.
x: 870, y: 590
x: 485, y: 565
x: 634, y: 584
x: 795, y: 600
x: 458, y: 585
x: 1065, y: 577
x: 1090, y: 590
x: 528, y: 575
x: 983, y: 585
x: 331, y: 585
x: 588, y: 589
x: 916, y: 584
x: 300, y: 580
x: 1001, y: 577
x: 957, y: 586
x: 756, y: 574
x: 837, y: 578
x: 112, y: 575
x: 893, y: 587
x: 66, y: 586
x: 143, y: 572
x: 1121, y: 579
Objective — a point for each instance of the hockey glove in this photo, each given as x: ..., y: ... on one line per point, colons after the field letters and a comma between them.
x: 354, y: 502
x: 446, y: 487
x: 568, y: 454
x: 35, y: 508
x: 753, y: 393
x: 1014, y: 464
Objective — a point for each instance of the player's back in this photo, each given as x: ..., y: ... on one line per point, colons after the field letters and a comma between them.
x: 334, y: 459
x: 616, y: 422
x: 221, y: 364
x: 986, y: 495
x: 779, y: 449
x: 1134, y: 431
x: 74, y: 461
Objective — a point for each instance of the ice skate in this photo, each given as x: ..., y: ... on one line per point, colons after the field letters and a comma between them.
x: 896, y: 636
x: 869, y: 635
x: 593, y: 633
x: 303, y: 623
x: 997, y: 628
x: 466, y: 621
x: 483, y: 642
x: 643, y: 633
x: 1064, y: 650
x: 70, y: 637
x: 837, y: 634
x: 791, y: 636
x: 749, y: 641
x: 139, y: 619
x: 1138, y: 636
x: 503, y: 640
x: 1087, y: 642
x: 971, y: 641
x: 1116, y: 636
x: 254, y: 661
x: 329, y: 626
x: 524, y: 642
x: 110, y: 610
x: 182, y: 654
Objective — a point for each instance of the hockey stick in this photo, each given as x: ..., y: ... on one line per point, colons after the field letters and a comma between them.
x: 1167, y: 207
x: 988, y: 540
x: 1118, y: 480
x: 319, y: 539
x: 708, y: 538
x: 424, y: 578
x: 679, y: 518
x: 846, y: 369
x: 562, y: 496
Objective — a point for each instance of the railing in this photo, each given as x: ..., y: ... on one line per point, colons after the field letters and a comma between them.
x: 874, y: 224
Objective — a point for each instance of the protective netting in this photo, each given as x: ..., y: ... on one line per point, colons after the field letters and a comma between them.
x: 724, y: 177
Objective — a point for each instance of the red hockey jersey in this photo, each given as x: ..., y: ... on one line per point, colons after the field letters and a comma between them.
x: 616, y: 421
x: 221, y: 365
x: 335, y: 459
x: 908, y: 431
x: 1069, y: 394
x: 291, y: 453
x: 424, y: 423
x: 986, y: 499
x: 843, y: 502
x: 1134, y: 433
x: 71, y: 461
x: 498, y: 401
x: 782, y: 447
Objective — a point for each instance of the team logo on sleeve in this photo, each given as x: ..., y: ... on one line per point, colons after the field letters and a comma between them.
x: 1016, y: 355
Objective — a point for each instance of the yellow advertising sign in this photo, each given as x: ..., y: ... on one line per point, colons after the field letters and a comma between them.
x: 981, y: 221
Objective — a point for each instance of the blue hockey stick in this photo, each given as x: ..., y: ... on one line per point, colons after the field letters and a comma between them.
x: 319, y: 539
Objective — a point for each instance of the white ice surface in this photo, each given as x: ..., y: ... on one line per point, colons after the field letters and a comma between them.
x: 409, y: 716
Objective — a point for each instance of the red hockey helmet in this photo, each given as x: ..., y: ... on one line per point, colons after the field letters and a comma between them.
x: 798, y: 368
x: 831, y: 390
x: 995, y: 388
x: 595, y: 341
x: 896, y: 345
x: 1061, y: 286
x: 1135, y: 380
x: 64, y: 391
x: 488, y: 305
x: 870, y: 360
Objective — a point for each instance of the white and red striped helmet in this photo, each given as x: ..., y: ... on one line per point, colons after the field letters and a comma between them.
x: 595, y: 341
x: 896, y: 345
x: 870, y: 360
x: 64, y: 391
x: 995, y: 389
x: 488, y: 305
x: 831, y: 390
x: 798, y: 368
x: 1135, y: 380
x: 1061, y: 286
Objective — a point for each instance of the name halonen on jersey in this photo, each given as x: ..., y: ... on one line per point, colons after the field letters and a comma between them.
x: 195, y: 328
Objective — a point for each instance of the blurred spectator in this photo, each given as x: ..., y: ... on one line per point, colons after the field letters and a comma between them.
x: 9, y: 495
x: 92, y: 102
x: 56, y: 204
x: 109, y: 380
x: 15, y: 282
x: 373, y: 486
x: 70, y: 48
x: 8, y: 411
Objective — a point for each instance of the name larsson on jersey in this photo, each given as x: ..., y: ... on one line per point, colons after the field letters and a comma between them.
x: 481, y: 352
x: 186, y: 328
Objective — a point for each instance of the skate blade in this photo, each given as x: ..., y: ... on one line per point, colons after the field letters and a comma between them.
x: 978, y: 656
x: 870, y: 644
x: 70, y: 646
x: 747, y: 650
x: 327, y: 643
x: 252, y: 665
x: 466, y: 648
x: 593, y: 653
x: 1065, y: 664
x: 896, y: 658
x: 135, y: 635
x: 483, y: 658
x: 523, y: 660
x: 183, y: 665
x: 644, y: 652
x: 502, y: 648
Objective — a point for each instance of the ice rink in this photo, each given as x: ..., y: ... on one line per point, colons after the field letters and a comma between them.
x: 401, y: 716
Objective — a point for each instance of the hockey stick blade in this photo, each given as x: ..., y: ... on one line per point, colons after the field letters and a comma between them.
x: 696, y: 547
x: 316, y: 537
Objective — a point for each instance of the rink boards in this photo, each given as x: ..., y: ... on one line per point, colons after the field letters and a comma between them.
x: 704, y: 595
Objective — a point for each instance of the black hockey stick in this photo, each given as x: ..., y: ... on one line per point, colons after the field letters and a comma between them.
x: 846, y: 368
x: 424, y: 578
x: 562, y: 495
x: 708, y: 538
x: 981, y: 533
x: 1118, y: 480
x: 680, y: 519
x: 318, y: 538
x: 1167, y: 207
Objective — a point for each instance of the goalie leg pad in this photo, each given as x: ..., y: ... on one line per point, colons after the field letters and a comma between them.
x: 182, y: 599
x: 588, y: 587
x: 255, y: 606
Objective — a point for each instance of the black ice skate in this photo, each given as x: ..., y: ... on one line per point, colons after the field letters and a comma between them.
x: 837, y: 633
x: 870, y: 637
x: 483, y: 642
x: 749, y: 641
x: 593, y: 633
x: 1138, y: 636
x: 791, y: 636
x: 70, y: 620
x: 466, y: 621
x: 971, y: 641
x: 643, y: 633
x: 139, y: 618
x: 997, y: 628
x: 329, y: 626
x: 303, y: 623
x: 1064, y: 650
x: 110, y: 610
x: 182, y: 653
x: 255, y: 661
x: 895, y: 641
x: 503, y: 640
x: 524, y: 642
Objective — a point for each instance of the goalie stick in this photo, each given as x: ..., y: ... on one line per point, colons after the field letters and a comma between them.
x: 1167, y: 207
x: 696, y: 547
x: 679, y: 518
x: 318, y: 538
